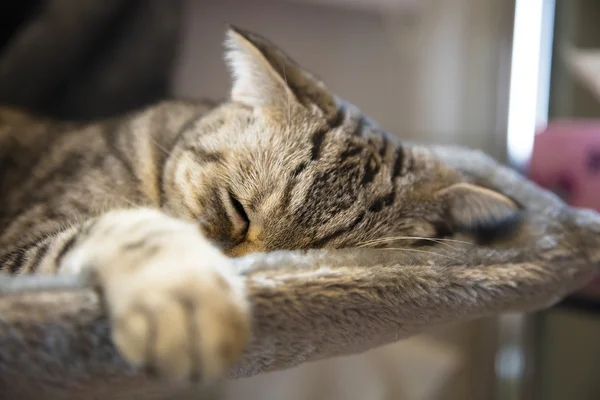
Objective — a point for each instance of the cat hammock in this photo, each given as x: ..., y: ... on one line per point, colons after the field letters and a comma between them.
x: 307, y: 305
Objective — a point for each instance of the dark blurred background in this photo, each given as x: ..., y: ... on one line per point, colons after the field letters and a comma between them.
x: 81, y: 59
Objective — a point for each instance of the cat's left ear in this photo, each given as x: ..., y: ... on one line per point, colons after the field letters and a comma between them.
x: 264, y: 76
x: 478, y: 210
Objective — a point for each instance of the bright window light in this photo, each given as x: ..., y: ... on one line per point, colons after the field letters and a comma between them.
x: 530, y: 76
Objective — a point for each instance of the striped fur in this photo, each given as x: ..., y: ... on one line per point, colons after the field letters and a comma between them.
x: 148, y: 204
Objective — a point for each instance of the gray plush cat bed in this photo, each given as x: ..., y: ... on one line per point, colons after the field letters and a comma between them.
x: 308, y: 306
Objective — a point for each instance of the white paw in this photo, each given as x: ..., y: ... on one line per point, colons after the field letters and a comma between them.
x: 175, y: 307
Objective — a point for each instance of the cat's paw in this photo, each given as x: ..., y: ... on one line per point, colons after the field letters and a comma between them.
x: 176, y: 308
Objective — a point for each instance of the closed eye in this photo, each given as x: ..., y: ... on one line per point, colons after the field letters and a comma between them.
x: 238, y: 216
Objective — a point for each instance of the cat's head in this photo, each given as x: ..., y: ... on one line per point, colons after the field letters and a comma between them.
x: 285, y: 164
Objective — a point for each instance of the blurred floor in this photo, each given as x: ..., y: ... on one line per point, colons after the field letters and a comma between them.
x: 420, y: 368
x: 569, y: 355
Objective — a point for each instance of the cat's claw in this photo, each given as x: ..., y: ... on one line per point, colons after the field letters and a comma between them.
x: 189, y: 326
x: 175, y: 308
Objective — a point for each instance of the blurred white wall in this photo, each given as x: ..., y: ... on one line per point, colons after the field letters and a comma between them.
x: 350, y: 50
x: 438, y: 73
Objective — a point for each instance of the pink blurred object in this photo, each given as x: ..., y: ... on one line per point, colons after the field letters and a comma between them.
x: 566, y: 160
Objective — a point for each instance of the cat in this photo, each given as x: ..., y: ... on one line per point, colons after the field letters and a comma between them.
x: 152, y: 206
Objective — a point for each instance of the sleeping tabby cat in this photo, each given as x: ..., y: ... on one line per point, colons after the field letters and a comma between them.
x: 153, y: 205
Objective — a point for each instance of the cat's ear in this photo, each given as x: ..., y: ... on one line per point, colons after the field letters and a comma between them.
x: 475, y: 209
x: 264, y: 76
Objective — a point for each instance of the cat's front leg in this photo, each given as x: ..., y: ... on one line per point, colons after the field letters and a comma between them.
x: 175, y: 305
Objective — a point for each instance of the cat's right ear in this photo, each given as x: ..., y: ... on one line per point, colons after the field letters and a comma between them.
x: 478, y: 210
x: 264, y: 76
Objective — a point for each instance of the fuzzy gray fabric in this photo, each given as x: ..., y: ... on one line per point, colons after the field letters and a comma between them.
x: 317, y: 304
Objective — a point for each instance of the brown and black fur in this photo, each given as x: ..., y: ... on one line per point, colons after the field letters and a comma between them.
x: 152, y: 205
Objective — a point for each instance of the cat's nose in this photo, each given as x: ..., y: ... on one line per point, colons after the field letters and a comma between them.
x: 245, y: 248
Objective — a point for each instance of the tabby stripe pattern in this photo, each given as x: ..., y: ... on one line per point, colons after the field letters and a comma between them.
x: 326, y: 239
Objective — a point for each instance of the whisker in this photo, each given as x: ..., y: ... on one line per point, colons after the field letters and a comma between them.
x: 436, y: 239
x: 439, y: 241
x: 395, y: 238
x: 444, y: 244
x: 160, y: 146
x: 422, y: 251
